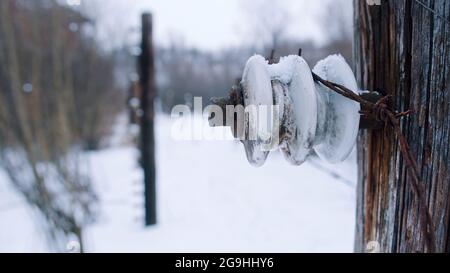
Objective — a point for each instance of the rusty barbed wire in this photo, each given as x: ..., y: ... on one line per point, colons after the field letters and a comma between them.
x: 380, y: 112
x: 383, y: 113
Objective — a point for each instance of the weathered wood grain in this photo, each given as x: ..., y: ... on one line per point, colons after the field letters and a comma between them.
x: 403, y: 50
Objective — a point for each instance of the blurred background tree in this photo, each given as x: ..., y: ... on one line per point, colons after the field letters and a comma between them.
x: 58, y: 97
x: 185, y: 72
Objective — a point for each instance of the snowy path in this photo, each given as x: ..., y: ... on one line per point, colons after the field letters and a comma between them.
x: 209, y: 199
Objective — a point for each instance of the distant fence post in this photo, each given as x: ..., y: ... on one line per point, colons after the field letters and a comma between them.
x: 148, y: 93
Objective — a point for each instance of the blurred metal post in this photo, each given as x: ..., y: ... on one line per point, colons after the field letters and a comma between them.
x: 148, y: 93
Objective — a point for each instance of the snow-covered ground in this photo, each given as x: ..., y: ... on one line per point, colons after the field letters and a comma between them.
x: 209, y: 200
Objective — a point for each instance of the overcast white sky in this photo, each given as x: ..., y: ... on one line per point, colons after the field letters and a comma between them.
x: 206, y: 24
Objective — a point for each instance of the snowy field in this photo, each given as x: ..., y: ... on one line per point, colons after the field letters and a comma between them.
x: 209, y: 200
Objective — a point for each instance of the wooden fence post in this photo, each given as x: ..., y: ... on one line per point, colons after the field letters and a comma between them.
x: 403, y: 49
x: 148, y: 93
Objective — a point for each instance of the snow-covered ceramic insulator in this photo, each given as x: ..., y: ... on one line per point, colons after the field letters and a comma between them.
x: 306, y: 116
x: 257, y: 91
x: 301, y: 100
x: 338, y: 119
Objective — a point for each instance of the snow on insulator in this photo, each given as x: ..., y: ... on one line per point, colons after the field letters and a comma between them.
x: 339, y: 122
x: 257, y: 91
x: 307, y: 116
x: 295, y: 72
